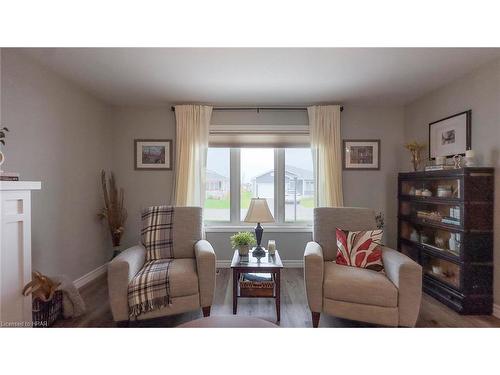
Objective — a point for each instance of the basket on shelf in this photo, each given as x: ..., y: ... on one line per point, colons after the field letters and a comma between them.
x: 249, y: 288
x: 45, y: 313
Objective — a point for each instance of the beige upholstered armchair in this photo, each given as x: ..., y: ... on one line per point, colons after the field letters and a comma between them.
x: 191, y: 273
x: 391, y: 299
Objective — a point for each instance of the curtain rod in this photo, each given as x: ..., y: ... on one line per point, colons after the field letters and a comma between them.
x: 258, y: 109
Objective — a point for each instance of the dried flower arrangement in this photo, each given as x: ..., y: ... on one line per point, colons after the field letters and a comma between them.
x: 415, y: 148
x: 2, y: 135
x: 380, y: 220
x: 113, y: 210
x: 3, y: 130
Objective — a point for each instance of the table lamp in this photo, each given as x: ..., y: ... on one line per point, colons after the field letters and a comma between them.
x: 259, y: 212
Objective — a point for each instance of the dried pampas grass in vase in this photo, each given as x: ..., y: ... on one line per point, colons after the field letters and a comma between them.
x: 415, y: 148
x: 113, y: 210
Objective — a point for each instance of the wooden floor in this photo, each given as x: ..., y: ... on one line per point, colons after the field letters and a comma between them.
x: 294, y: 309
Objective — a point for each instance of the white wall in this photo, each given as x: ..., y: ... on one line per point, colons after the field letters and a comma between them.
x: 142, y: 188
x: 480, y: 92
x: 60, y: 136
x: 375, y: 189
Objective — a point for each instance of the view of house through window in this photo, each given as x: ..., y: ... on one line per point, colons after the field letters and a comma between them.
x: 299, y: 184
x: 257, y: 177
x: 217, y: 200
x: 258, y: 168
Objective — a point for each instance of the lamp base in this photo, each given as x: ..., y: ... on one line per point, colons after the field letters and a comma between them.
x: 259, y: 252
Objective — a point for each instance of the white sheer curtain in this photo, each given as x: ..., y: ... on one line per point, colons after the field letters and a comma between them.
x: 326, y: 145
x: 192, y: 127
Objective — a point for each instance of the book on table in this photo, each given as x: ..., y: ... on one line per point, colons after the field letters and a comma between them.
x: 257, y: 277
x: 9, y: 176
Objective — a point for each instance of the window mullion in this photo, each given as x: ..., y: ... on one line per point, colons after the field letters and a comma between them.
x: 279, y: 185
x: 235, y: 185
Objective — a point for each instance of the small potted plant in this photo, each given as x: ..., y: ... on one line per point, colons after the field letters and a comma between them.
x: 242, y: 241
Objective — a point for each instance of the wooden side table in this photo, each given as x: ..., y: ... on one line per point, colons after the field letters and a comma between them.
x: 249, y: 264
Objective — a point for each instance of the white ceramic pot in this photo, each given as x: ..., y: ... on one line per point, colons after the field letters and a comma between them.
x: 470, y: 162
x: 437, y: 270
x: 440, y: 160
x: 243, y: 250
x: 426, y: 193
x: 444, y: 193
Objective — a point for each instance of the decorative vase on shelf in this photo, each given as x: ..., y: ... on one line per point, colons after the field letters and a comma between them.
x: 415, y: 148
x: 458, y: 161
x: 415, y: 160
x: 470, y: 158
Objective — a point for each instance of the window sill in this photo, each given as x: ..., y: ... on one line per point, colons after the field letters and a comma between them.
x: 218, y: 228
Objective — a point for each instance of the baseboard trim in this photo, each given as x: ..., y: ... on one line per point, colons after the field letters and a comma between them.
x: 286, y: 263
x: 293, y: 263
x: 101, y: 270
x: 91, y: 276
x: 496, y: 311
x: 223, y: 264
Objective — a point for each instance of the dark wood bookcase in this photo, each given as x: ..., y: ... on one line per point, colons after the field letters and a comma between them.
x: 445, y: 223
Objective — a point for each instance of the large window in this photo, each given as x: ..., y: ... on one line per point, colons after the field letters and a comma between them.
x: 299, y: 185
x: 257, y: 177
x: 217, y: 196
x: 284, y: 177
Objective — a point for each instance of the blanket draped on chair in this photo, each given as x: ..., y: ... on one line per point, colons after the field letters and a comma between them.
x: 149, y: 289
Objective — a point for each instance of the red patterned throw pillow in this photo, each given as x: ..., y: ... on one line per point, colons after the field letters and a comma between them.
x: 360, y: 249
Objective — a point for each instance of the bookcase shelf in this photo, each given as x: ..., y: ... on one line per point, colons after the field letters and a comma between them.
x: 432, y: 250
x: 457, y: 259
x: 435, y: 200
x: 431, y: 223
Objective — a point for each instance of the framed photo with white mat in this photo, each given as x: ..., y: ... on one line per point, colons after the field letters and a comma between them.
x: 361, y: 154
x: 153, y: 154
x: 450, y: 136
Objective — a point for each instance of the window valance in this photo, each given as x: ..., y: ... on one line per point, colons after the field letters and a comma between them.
x: 259, y: 136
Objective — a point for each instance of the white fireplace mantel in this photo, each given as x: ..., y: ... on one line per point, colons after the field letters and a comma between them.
x: 15, y: 251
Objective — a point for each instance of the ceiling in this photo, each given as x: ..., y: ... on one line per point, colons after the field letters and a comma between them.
x: 261, y: 76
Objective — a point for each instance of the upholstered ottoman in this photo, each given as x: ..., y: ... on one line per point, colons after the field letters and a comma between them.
x: 229, y: 321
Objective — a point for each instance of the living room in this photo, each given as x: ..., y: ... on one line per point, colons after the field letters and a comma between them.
x: 179, y: 185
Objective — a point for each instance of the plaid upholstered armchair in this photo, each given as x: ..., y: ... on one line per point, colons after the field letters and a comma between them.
x: 391, y: 298
x: 172, y: 271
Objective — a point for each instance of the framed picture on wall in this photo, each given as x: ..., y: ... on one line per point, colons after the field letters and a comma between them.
x: 361, y: 154
x: 153, y: 154
x: 450, y: 136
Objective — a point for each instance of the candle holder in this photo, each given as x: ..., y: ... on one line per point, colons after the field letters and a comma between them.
x: 470, y: 158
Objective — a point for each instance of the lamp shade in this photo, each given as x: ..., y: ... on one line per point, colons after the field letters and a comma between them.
x: 259, y: 212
